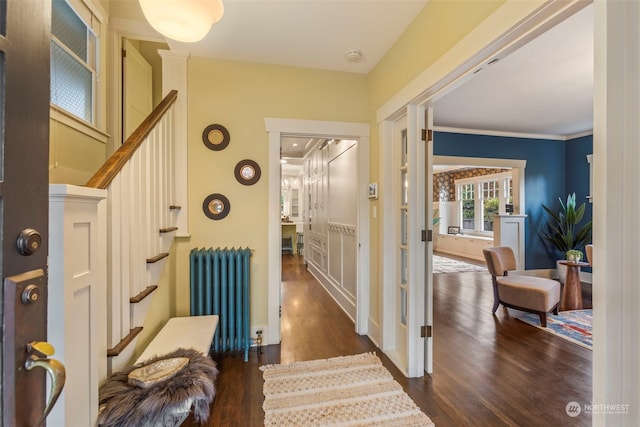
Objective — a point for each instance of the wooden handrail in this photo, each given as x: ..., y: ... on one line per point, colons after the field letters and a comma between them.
x: 103, y: 177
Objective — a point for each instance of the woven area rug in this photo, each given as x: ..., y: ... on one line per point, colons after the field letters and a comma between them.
x: 341, y: 391
x: 449, y: 265
x: 574, y: 325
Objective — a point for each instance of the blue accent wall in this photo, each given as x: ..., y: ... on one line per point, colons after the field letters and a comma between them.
x: 553, y: 169
x: 577, y: 177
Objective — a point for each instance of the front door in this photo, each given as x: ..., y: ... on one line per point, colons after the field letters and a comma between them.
x: 24, y: 155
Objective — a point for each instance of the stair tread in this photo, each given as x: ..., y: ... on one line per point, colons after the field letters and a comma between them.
x: 142, y: 295
x: 124, y: 342
x: 157, y: 258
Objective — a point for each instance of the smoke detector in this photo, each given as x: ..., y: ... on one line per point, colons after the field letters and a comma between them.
x: 353, y: 56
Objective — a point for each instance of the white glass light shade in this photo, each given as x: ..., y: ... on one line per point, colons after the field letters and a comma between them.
x: 182, y: 20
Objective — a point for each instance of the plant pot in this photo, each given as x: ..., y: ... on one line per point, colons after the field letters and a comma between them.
x: 561, y: 270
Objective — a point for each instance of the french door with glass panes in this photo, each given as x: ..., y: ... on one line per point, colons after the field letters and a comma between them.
x: 404, y: 250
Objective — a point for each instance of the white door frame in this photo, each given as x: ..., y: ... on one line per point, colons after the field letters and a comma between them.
x: 277, y: 128
x: 616, y: 155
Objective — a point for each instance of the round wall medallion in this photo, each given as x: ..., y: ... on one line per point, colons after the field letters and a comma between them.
x: 247, y: 172
x: 216, y: 206
x: 216, y: 137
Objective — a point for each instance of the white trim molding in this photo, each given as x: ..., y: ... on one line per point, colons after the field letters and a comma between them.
x: 616, y: 242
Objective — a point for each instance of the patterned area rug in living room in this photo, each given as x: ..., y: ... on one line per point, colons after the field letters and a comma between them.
x: 448, y: 265
x: 341, y: 391
x: 573, y: 325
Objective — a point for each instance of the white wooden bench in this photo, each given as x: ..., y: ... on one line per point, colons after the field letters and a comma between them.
x: 182, y: 332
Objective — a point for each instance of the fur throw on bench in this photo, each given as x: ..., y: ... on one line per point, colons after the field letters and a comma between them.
x: 160, y: 404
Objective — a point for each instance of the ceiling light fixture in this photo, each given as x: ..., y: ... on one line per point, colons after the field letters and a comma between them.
x: 182, y: 20
x: 353, y: 56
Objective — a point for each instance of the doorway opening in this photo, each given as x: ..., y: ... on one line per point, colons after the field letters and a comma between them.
x: 468, y: 197
x: 283, y: 128
x: 318, y: 205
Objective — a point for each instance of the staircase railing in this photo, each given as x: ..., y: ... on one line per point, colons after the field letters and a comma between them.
x: 141, y: 218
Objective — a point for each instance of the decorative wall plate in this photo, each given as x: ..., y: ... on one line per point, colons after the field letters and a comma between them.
x: 247, y: 172
x: 216, y: 206
x: 216, y: 137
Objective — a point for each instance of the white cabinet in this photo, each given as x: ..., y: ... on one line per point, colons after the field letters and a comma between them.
x: 463, y: 245
x: 508, y: 230
x: 294, y: 204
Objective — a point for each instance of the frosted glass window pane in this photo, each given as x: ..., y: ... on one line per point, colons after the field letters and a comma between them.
x: 403, y: 227
x: 403, y: 306
x: 404, y: 188
x: 404, y: 270
x: 69, y: 28
x: 3, y: 18
x: 404, y: 153
x: 71, y: 84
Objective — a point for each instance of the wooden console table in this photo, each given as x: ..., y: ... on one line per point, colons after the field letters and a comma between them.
x: 572, y: 292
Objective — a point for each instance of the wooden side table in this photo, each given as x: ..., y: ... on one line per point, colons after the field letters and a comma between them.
x: 572, y: 292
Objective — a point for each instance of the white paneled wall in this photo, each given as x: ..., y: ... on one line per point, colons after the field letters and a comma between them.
x: 77, y: 292
x: 331, y: 180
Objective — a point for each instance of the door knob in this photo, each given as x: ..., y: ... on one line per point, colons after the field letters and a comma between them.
x: 39, y: 351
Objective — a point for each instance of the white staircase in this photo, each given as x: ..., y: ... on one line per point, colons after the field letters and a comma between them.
x: 141, y: 224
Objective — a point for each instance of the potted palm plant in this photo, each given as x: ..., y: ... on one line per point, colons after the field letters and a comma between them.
x: 565, y: 231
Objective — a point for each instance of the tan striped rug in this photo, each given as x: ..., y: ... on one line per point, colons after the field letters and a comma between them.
x: 341, y: 391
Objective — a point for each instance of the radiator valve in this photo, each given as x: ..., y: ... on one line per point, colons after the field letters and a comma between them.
x: 259, y: 341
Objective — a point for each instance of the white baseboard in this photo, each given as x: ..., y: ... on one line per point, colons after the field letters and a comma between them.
x: 374, y: 332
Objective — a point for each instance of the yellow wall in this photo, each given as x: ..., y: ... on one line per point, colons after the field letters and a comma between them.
x: 239, y: 95
x: 73, y: 156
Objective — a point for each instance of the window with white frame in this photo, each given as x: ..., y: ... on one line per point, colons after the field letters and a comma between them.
x: 467, y: 205
x: 74, y: 46
x: 480, y: 198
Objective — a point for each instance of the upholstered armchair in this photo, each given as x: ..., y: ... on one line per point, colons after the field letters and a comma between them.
x: 527, y: 293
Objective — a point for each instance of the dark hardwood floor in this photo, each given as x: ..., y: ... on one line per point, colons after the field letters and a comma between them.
x: 488, y: 370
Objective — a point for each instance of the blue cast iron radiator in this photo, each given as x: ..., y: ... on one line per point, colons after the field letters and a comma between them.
x: 220, y: 284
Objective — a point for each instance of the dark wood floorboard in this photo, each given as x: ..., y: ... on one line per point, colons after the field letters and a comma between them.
x: 489, y: 370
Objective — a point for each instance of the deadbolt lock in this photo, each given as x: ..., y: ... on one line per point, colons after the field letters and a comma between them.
x: 29, y: 241
x: 30, y: 294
